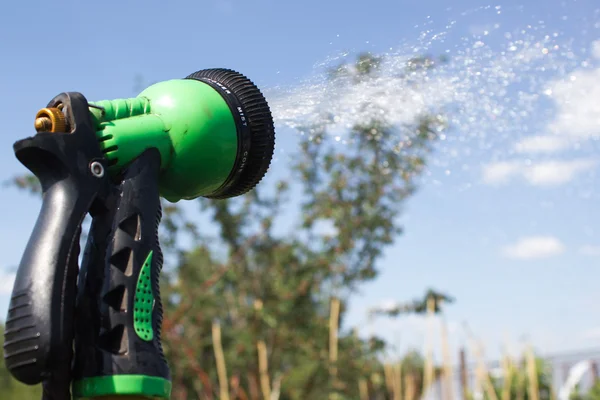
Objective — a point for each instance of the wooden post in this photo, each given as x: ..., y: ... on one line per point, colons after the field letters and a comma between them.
x: 595, y: 371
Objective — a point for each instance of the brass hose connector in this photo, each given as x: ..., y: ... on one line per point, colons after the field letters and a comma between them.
x: 50, y: 120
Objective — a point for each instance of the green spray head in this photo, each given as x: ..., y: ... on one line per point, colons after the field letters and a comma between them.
x: 214, y: 131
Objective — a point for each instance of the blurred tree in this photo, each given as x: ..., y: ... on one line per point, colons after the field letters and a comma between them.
x: 275, y: 294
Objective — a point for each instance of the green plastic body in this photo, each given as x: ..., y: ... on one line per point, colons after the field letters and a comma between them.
x: 188, y: 121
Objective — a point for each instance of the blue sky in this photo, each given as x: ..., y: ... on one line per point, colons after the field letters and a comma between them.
x: 514, y: 237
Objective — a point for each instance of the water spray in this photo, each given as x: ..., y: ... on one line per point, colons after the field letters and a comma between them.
x: 97, y: 330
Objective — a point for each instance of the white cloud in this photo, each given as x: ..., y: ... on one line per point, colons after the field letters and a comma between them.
x: 577, y: 101
x: 6, y: 283
x: 542, y: 144
x: 576, y: 98
x: 534, y: 247
x: 555, y: 172
x: 590, y: 250
x: 546, y: 173
x: 500, y: 172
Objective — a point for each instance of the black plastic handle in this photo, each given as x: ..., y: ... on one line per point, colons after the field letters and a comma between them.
x: 39, y: 326
x: 119, y: 312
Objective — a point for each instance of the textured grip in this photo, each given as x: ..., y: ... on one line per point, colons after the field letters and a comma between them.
x: 123, y: 354
x: 39, y: 326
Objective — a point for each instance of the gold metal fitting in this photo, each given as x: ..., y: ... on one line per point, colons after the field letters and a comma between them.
x: 50, y: 120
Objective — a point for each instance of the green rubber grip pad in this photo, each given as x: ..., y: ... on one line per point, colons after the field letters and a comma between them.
x: 144, y: 303
x: 152, y: 387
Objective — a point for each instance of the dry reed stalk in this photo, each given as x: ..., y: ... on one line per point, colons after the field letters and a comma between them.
x: 534, y: 391
x: 397, y: 368
x: 276, y: 392
x: 411, y: 387
x: 486, y: 381
x: 478, y: 384
x: 448, y: 387
x: 263, y: 369
x: 263, y: 360
x: 507, y: 373
x: 464, y: 378
x: 363, y: 389
x: 334, y: 317
x: 483, y: 373
x: 428, y: 367
x: 388, y: 373
x: 520, y: 386
x: 220, y: 360
x: 489, y: 387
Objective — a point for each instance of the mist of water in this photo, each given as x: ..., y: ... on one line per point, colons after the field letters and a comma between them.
x: 504, y: 94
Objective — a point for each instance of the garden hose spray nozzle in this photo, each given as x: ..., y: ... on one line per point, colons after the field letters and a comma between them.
x: 98, y: 327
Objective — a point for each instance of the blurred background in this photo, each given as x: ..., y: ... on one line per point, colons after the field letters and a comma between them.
x: 428, y: 227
